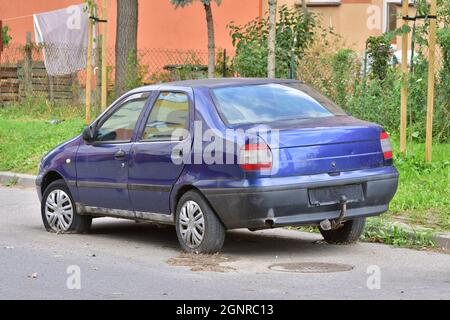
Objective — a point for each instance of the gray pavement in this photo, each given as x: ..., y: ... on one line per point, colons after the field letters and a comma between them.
x: 126, y: 260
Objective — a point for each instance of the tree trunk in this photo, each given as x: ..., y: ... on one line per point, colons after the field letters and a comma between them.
x: 272, y: 38
x: 126, y: 43
x: 304, y: 7
x: 211, y: 41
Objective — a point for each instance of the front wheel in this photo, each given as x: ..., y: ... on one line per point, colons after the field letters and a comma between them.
x: 59, y: 213
x: 348, y: 233
x: 198, y: 228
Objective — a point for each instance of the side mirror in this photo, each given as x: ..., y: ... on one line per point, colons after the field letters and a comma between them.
x: 88, y: 134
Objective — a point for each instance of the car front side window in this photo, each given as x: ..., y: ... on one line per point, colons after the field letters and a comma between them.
x: 120, y: 125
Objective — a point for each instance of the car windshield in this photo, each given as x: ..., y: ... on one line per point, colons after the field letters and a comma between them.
x: 254, y: 104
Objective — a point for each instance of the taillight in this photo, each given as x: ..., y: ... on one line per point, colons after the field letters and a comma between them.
x: 255, y: 157
x: 386, y: 146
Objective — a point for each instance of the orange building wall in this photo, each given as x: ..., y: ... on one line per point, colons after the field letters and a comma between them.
x: 160, y: 24
x: 349, y: 19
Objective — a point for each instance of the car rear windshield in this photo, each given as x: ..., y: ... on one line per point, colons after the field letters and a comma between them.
x: 273, y: 102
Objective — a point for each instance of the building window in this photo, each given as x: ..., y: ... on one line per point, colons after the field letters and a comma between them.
x: 391, y: 17
x: 392, y: 13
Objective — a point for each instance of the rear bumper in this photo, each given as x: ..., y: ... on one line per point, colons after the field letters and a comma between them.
x: 278, y: 204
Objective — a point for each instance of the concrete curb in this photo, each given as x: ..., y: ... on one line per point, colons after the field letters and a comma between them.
x: 442, y: 240
x: 17, y: 179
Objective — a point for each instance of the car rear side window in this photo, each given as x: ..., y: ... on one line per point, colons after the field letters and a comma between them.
x: 254, y: 104
x: 169, y: 113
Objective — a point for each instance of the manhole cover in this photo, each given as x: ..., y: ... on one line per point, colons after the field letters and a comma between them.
x: 311, y: 267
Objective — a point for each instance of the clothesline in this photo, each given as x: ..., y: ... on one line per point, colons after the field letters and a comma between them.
x: 17, y: 18
x: 22, y: 17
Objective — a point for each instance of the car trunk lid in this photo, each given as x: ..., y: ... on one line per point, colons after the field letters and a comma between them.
x: 325, y: 145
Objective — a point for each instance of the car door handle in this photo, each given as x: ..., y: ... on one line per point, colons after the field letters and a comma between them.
x: 120, y: 155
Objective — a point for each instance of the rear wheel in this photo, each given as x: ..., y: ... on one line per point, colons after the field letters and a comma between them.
x: 198, y: 228
x: 59, y: 213
x: 348, y: 233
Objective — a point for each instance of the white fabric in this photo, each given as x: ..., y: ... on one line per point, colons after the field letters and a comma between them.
x: 63, y: 33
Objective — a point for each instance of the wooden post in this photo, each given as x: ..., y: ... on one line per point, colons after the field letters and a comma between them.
x: 430, y: 98
x: 1, y: 49
x: 404, y: 90
x: 271, y: 52
x: 104, y: 98
x: 98, y: 74
x: 28, y: 66
x: 89, y: 67
x: 51, y: 87
x: 1, y: 40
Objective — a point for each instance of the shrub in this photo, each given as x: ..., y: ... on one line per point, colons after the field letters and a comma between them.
x: 379, y: 53
x: 345, y: 70
x: 6, y: 38
x: 294, y: 34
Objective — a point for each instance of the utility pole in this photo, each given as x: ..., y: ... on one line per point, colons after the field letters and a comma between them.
x: 404, y: 90
x: 104, y: 97
x: 89, y: 65
x: 430, y: 98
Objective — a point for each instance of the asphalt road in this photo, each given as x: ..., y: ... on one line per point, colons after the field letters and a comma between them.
x: 126, y: 260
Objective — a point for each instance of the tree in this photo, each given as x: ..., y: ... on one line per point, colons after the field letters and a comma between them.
x: 210, y: 25
x: 271, y: 56
x: 126, y: 43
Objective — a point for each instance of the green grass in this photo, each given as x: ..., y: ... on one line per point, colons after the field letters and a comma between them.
x: 23, y: 143
x: 381, y: 230
x: 423, y: 197
x: 26, y: 133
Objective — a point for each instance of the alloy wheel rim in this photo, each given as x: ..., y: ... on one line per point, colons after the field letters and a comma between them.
x: 192, y: 224
x: 59, y: 211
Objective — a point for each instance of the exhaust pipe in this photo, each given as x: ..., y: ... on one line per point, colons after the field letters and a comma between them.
x: 269, y: 223
x: 325, y: 225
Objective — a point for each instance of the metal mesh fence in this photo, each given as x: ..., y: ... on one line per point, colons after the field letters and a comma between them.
x: 23, y: 72
x: 319, y: 67
x: 57, y: 72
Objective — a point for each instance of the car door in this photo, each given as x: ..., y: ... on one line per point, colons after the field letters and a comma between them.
x: 153, y: 172
x: 102, y: 165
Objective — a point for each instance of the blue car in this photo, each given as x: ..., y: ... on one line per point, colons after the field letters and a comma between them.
x: 212, y: 155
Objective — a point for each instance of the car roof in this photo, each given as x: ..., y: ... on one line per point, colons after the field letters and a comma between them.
x: 214, y: 83
x: 222, y: 82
